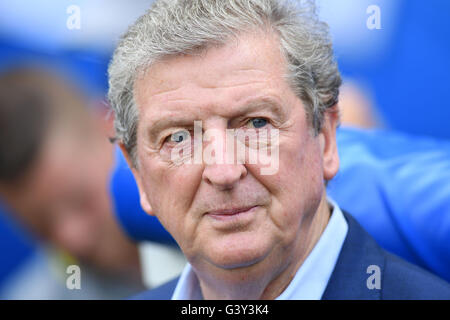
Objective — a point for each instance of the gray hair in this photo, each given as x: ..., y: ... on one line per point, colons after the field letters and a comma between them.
x: 173, y: 27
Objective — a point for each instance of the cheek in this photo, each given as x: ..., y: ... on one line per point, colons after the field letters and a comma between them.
x: 303, y: 169
x: 300, y: 164
x: 298, y: 186
x: 171, y: 191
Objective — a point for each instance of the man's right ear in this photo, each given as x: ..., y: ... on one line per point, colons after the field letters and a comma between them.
x: 145, y: 204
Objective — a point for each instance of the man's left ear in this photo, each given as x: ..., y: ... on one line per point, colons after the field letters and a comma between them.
x: 328, y: 142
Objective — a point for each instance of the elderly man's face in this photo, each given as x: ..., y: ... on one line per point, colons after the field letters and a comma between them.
x: 228, y: 216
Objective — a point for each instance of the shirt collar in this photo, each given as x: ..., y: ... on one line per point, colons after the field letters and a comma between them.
x: 310, y: 280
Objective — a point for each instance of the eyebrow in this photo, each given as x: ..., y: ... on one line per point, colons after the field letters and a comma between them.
x: 262, y: 103
x: 168, y: 122
x: 188, y: 121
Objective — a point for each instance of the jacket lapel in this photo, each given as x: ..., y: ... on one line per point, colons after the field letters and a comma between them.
x: 359, y: 256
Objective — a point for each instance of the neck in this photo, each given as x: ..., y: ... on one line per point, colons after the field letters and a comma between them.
x: 256, y: 282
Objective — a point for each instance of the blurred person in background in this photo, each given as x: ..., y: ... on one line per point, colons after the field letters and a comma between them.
x: 357, y: 108
x: 55, y: 165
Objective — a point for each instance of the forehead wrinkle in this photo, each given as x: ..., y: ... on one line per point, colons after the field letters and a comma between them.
x: 175, y: 93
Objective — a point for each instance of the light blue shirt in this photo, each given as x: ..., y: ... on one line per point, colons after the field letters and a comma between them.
x: 310, y: 280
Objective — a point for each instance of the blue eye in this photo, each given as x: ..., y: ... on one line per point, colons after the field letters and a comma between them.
x: 258, y: 123
x: 179, y: 136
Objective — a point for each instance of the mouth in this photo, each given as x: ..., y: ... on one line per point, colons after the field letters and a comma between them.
x: 231, y: 214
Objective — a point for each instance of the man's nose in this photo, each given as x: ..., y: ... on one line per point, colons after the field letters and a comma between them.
x: 224, y: 176
x: 226, y: 168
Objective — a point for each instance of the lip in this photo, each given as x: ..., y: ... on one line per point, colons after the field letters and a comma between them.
x: 230, y: 214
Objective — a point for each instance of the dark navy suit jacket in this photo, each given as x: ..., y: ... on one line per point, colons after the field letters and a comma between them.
x: 349, y: 280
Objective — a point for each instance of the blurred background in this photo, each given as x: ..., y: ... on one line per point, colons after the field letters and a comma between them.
x: 393, y: 55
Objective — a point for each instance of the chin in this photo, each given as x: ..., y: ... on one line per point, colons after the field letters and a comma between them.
x: 237, y: 263
x: 232, y: 258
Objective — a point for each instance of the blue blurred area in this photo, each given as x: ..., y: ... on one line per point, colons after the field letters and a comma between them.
x: 15, y: 245
x: 404, y: 66
x: 413, y: 86
x: 136, y: 223
x: 85, y: 68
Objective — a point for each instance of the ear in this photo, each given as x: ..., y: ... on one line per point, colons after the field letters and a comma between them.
x: 328, y: 143
x: 145, y: 204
